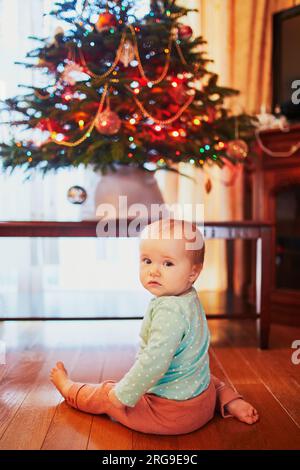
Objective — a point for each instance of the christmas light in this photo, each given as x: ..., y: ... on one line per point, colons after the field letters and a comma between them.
x: 192, y: 161
x: 136, y: 91
x: 30, y: 160
x: 182, y: 132
x: 60, y: 137
x: 28, y: 153
x: 207, y: 147
x: 157, y: 128
x: 202, y: 150
x: 132, y: 121
x: 197, y: 122
x: 130, y: 155
x: 81, y: 123
x: 175, y: 134
x: 131, y: 139
x: 174, y: 84
x: 167, y: 51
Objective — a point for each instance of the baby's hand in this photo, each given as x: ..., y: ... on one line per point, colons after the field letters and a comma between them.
x: 114, y: 400
x: 243, y: 411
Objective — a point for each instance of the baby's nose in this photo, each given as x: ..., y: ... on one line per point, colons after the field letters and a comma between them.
x: 154, y: 270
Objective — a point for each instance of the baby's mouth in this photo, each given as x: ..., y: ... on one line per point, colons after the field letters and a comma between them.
x: 153, y: 283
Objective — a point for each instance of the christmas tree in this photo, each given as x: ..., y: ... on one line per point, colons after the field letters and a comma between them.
x: 124, y: 91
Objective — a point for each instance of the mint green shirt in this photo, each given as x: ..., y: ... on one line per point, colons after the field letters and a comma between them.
x: 172, y: 360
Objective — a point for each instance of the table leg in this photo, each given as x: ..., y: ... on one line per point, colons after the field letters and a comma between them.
x: 263, y: 285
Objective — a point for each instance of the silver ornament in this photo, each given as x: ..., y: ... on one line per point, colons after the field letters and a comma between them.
x: 76, y: 195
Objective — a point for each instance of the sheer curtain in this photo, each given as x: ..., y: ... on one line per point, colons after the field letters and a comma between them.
x: 43, y: 277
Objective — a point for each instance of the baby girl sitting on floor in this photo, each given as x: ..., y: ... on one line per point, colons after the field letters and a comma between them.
x: 169, y: 389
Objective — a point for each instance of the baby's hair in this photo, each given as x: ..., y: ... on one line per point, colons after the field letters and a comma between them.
x: 178, y: 229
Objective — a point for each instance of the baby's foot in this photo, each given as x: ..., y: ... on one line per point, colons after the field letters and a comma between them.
x: 243, y: 411
x: 59, y: 377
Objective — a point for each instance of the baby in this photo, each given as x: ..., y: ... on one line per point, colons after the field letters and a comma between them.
x: 169, y: 389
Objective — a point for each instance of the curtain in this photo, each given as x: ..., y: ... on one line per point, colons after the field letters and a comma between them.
x: 239, y: 40
x: 250, y: 42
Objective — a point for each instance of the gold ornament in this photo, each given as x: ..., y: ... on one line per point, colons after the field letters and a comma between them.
x: 127, y: 54
x: 237, y: 149
x: 208, y: 186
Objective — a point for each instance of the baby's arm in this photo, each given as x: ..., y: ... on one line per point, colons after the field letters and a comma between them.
x: 166, y: 332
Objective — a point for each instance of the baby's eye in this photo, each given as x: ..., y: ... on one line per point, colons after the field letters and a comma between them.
x: 146, y: 261
x: 168, y: 263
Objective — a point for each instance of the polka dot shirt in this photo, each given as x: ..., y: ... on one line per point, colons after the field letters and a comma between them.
x: 172, y: 360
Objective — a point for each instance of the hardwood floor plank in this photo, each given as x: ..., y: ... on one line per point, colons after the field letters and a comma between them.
x: 272, y: 367
x: 70, y: 428
x: 35, y: 413
x: 106, y: 433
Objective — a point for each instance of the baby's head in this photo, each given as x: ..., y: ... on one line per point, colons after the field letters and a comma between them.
x: 171, y: 256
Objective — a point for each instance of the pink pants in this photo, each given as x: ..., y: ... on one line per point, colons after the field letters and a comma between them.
x: 153, y: 414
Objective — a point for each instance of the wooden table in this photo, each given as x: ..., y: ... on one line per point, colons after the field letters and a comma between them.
x: 261, y: 232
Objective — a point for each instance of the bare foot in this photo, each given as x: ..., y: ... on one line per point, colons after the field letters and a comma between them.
x: 59, y: 377
x: 242, y: 411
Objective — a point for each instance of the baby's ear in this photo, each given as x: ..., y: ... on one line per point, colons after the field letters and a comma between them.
x: 195, y: 272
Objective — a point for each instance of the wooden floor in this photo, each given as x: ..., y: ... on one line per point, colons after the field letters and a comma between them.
x: 33, y: 415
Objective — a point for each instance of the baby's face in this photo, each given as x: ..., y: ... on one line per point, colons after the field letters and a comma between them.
x: 165, y: 267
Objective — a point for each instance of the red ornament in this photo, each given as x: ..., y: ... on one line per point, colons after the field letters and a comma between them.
x: 178, y: 93
x: 106, y: 21
x: 48, y: 124
x: 108, y: 122
x: 184, y: 31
